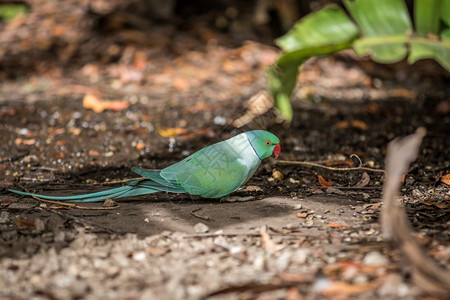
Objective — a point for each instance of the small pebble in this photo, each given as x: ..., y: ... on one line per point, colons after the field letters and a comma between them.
x: 139, y: 256
x: 294, y: 181
x: 297, y: 206
x: 4, y: 217
x: 277, y: 175
x: 375, y: 258
x: 219, y: 120
x: 201, y: 228
x: 109, y: 203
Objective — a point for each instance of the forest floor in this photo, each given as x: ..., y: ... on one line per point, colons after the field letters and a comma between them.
x: 303, y: 233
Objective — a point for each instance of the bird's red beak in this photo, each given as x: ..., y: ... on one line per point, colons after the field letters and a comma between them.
x: 277, y: 150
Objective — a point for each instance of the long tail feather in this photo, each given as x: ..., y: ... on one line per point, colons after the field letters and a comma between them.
x: 91, y: 197
x: 133, y: 188
x: 120, y: 192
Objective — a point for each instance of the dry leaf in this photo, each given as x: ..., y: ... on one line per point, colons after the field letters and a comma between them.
x: 354, y: 124
x: 359, y: 124
x: 338, y: 225
x: 19, y: 141
x: 93, y: 153
x: 365, y: 179
x: 253, y: 188
x: 323, y: 182
x: 181, y: 84
x: 403, y: 93
x: 315, y: 191
x: 267, y: 242
x: 91, y: 101
x: 297, y: 278
x: 140, y: 60
x: 54, y: 131
x: 172, y: 132
x: 24, y: 224
x: 333, y: 190
x: 5, y: 202
x: 342, y: 125
x: 75, y: 131
x: 61, y: 142
x: 302, y: 215
x: 342, y: 290
x: 257, y: 105
x: 372, y: 108
x: 140, y: 146
x: 109, y: 203
x: 445, y: 179
x: 277, y: 175
x: 293, y: 294
x: 376, y: 206
x: 156, y: 250
x: 438, y: 205
x: 199, y: 106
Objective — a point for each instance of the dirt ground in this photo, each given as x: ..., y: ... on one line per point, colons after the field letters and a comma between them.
x: 295, y: 237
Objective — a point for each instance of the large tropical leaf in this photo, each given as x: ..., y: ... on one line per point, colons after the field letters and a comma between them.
x: 325, y: 32
x: 381, y: 29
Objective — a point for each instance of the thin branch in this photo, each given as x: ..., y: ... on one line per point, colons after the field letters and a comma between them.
x: 426, y: 274
x: 311, y: 164
x: 198, y: 216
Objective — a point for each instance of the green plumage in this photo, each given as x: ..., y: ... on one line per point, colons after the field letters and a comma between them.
x: 212, y: 172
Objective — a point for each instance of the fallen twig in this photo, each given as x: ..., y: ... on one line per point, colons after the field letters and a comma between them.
x: 198, y: 216
x: 254, y: 288
x: 318, y: 165
x: 426, y: 274
x: 267, y: 242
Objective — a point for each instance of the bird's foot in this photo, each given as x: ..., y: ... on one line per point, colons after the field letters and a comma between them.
x: 232, y: 199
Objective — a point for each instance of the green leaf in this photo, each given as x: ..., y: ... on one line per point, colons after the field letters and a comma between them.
x: 328, y: 26
x: 445, y: 34
x: 425, y: 48
x: 385, y: 25
x: 282, y: 77
x: 445, y: 16
x: 380, y: 17
x: 426, y: 16
x: 324, y: 32
x: 385, y: 33
x: 9, y: 11
x: 445, y: 13
x: 383, y: 49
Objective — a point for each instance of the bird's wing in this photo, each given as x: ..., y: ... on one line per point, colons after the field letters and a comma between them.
x: 212, y: 172
x: 154, y: 175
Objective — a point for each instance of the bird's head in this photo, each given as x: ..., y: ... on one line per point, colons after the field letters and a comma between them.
x: 264, y: 143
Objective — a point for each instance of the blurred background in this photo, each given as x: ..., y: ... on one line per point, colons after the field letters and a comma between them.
x: 91, y: 88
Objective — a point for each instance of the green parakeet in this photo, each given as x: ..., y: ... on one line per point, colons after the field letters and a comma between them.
x: 212, y: 172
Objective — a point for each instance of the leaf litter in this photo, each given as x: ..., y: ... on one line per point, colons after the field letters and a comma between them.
x: 149, y: 248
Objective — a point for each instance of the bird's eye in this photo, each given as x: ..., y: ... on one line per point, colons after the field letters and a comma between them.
x: 268, y: 143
